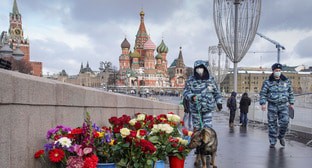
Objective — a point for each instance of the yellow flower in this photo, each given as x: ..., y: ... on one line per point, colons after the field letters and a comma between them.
x: 111, y: 143
x: 101, y: 134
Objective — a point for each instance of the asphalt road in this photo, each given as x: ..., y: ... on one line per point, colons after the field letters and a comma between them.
x: 249, y: 148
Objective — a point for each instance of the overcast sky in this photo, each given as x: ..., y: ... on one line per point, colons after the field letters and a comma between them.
x: 65, y: 33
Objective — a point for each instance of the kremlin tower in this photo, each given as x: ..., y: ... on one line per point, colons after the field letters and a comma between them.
x: 13, y: 43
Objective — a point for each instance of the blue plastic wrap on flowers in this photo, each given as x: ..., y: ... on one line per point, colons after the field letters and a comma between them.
x: 188, y: 138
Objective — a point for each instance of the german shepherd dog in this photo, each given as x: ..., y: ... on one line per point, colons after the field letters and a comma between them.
x: 205, y: 141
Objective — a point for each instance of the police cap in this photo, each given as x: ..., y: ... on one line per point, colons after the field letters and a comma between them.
x: 276, y: 66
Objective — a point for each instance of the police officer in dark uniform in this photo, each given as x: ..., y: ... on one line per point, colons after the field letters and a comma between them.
x: 278, y: 92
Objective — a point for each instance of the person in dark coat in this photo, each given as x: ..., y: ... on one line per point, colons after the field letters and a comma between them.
x: 231, y: 104
x: 244, y: 107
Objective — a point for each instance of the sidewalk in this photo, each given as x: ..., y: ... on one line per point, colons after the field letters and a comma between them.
x: 249, y: 148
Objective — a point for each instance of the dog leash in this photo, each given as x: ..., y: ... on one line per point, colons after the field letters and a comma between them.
x: 198, y: 111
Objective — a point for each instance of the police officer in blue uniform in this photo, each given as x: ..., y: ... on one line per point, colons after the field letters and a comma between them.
x: 278, y: 92
x: 203, y: 95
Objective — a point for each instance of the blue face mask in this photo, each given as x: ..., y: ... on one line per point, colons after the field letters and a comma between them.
x: 277, y: 74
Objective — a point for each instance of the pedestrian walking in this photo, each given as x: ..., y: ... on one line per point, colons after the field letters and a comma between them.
x: 244, y: 104
x: 202, y: 94
x: 231, y: 104
x: 278, y: 92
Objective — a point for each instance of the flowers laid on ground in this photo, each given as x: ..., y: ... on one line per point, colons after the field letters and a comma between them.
x: 136, y: 142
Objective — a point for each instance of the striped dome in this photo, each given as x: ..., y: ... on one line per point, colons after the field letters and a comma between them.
x: 158, y: 56
x: 149, y: 45
x: 162, y: 48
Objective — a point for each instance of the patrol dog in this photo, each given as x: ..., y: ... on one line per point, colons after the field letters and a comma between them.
x: 206, y: 143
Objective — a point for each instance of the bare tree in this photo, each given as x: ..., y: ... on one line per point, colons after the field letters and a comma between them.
x: 21, y: 66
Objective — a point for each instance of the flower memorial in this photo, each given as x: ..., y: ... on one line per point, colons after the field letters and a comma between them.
x: 70, y: 148
x: 131, y: 146
x: 136, y: 142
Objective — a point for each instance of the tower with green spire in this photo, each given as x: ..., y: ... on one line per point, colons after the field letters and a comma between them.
x: 16, y: 29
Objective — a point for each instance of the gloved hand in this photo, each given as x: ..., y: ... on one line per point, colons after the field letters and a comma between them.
x: 193, y: 98
x: 219, y: 106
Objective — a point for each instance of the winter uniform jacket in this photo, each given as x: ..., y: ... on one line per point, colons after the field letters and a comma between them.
x: 204, y: 88
x: 277, y: 91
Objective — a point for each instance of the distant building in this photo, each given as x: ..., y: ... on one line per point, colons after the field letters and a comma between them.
x: 89, y: 78
x: 141, y: 68
x: 251, y: 79
x: 178, y: 72
x: 14, y: 44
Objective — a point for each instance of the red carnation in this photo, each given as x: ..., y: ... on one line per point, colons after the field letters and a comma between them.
x: 56, y: 155
x: 76, y: 131
x: 39, y: 153
x: 57, y: 137
x: 91, y: 162
x: 96, y: 134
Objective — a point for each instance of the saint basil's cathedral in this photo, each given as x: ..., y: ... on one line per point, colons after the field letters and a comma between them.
x: 142, y: 68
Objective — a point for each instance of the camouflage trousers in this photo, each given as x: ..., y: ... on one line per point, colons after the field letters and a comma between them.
x: 278, y: 120
x: 205, y: 117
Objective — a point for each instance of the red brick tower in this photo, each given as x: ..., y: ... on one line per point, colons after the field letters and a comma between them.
x: 16, y: 38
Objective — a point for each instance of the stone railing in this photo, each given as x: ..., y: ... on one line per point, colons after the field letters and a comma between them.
x: 29, y: 106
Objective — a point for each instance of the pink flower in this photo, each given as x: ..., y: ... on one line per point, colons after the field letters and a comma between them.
x: 75, y: 162
x: 87, y: 150
x: 78, y: 149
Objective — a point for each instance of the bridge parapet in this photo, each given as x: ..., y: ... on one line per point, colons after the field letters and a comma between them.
x: 30, y: 105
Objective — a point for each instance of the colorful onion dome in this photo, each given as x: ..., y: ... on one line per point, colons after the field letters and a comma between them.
x: 135, y: 54
x: 125, y: 44
x: 149, y: 45
x: 162, y: 48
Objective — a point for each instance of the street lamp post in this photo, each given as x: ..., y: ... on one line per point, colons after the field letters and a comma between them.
x: 127, y: 82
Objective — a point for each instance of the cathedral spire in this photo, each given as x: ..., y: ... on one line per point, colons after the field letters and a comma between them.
x: 180, y: 62
x: 141, y: 36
